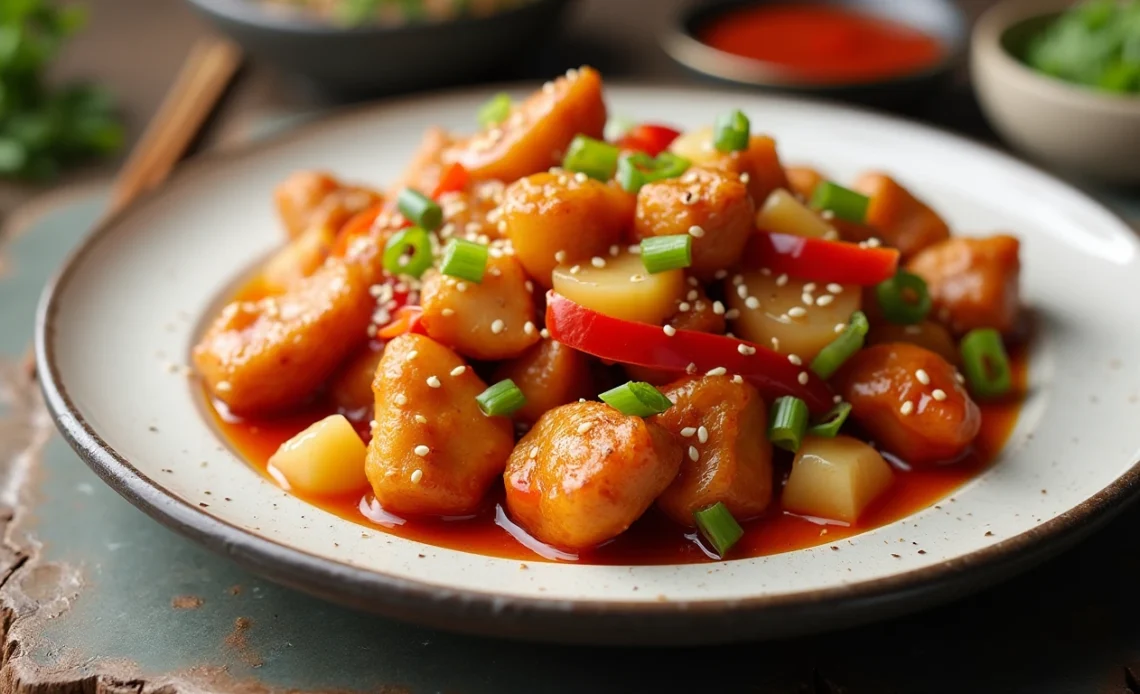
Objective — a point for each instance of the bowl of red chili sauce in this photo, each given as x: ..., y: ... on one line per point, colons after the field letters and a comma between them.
x: 867, y: 50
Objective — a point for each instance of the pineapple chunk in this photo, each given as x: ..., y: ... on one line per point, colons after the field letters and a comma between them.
x: 835, y: 478
x: 622, y: 288
x: 327, y: 459
x: 783, y: 214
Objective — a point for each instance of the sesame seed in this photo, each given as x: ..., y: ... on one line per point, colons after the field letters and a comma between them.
x: 776, y: 344
x: 703, y: 434
x: 959, y: 377
x: 598, y: 261
x: 922, y: 376
x: 637, y: 278
x: 615, y: 249
x: 746, y: 350
x: 840, y: 327
x: 802, y: 378
x: 720, y: 274
x: 494, y: 272
x: 696, y: 232
x: 634, y: 249
x: 807, y: 298
x: 669, y: 330
x: 825, y: 300
x: 692, y: 295
x: 737, y: 379
x: 433, y: 382
x: 718, y: 308
x: 421, y: 450
x: 584, y: 427
x: 688, y: 431
x: 827, y: 214
x: 693, y: 281
x: 400, y: 399
x: 684, y: 306
x: 837, y: 399
x: 694, y: 454
x: 458, y: 371
x: 544, y: 334
x: 752, y: 303
x: 224, y: 386
x: 795, y: 359
x: 718, y: 371
x: 742, y: 291
x: 533, y: 452
x: 738, y: 279
x: 411, y: 355
x: 809, y: 287
x: 835, y: 288
x: 782, y: 280
x: 873, y: 242
x: 691, y: 368
x: 529, y: 328
x: 417, y: 474
x: 580, y: 177
x: 529, y: 285
x: 421, y: 419
x: 744, y: 177
x: 497, y: 326
x: 575, y: 270
x: 939, y: 394
x: 560, y: 257
x: 797, y: 312
x: 461, y: 286
x: 732, y: 314
x: 907, y: 407
x: 447, y: 312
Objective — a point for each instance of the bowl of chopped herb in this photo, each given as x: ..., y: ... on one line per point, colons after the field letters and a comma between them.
x: 1061, y: 82
x: 359, y: 48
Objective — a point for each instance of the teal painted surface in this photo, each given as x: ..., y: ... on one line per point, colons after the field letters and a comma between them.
x: 1021, y: 637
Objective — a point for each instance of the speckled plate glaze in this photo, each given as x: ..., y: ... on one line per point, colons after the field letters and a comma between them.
x: 132, y: 299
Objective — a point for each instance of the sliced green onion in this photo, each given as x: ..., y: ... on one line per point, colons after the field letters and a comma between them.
x: 829, y: 424
x: 661, y: 253
x: 419, y: 209
x: 636, y: 399
x: 617, y: 127
x: 495, y: 111
x: 788, y: 423
x: 986, y: 364
x: 464, y: 259
x: 731, y: 133
x: 408, y: 252
x: 592, y: 157
x: 839, y: 350
x: 842, y: 202
x: 638, y: 168
x: 903, y: 298
x: 501, y: 400
x: 718, y: 527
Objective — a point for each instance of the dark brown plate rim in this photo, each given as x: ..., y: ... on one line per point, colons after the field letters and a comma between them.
x: 567, y: 621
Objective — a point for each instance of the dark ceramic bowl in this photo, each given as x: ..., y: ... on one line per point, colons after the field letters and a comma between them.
x: 369, y: 60
x: 938, y: 18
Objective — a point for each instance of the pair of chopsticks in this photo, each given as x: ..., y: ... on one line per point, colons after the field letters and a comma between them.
x: 196, y: 93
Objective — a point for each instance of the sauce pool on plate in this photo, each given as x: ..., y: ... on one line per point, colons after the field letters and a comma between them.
x: 822, y: 43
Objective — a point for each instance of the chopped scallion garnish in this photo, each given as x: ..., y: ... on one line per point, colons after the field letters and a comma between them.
x: 904, y: 298
x: 986, y: 364
x: 592, y: 157
x: 636, y: 399
x: 495, y: 111
x: 501, y: 400
x: 839, y: 350
x: 788, y: 423
x: 718, y: 527
x: 732, y: 132
x: 636, y: 169
x: 419, y: 209
x: 829, y: 424
x: 464, y: 259
x: 844, y: 203
x: 408, y: 252
x: 662, y: 253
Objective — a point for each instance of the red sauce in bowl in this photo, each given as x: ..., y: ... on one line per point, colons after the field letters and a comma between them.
x: 822, y: 43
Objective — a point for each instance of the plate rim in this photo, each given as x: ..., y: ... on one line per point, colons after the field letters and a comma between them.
x: 480, y: 611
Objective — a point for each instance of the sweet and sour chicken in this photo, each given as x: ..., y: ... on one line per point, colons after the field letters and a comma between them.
x: 586, y: 331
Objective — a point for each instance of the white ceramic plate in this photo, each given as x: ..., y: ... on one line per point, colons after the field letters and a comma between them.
x: 132, y: 299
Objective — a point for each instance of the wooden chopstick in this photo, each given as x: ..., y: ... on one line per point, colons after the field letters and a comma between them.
x: 200, y: 84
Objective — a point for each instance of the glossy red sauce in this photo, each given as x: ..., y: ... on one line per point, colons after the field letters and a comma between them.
x: 822, y: 43
x: 654, y: 539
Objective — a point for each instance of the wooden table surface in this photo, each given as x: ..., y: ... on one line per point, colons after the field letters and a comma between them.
x: 96, y: 597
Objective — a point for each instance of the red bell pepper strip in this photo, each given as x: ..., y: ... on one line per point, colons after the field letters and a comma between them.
x: 407, y: 319
x: 820, y: 260
x: 641, y: 344
x: 453, y: 179
x: 649, y: 138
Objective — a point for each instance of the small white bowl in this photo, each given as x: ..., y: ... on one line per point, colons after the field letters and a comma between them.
x: 1065, y: 126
